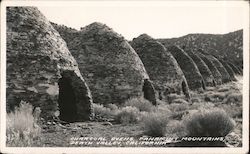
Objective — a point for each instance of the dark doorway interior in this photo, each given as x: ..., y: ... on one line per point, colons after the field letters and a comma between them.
x: 203, y: 85
x: 67, y: 100
x: 185, y: 89
x: 149, y: 91
x: 214, y: 83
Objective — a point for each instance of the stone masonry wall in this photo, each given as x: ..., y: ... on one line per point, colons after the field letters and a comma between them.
x: 36, y: 59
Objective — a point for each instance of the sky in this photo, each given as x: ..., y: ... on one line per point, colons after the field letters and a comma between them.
x: 159, y: 20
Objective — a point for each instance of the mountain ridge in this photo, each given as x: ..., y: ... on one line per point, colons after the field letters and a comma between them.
x: 223, y: 46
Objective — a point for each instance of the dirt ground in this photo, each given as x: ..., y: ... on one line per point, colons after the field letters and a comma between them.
x: 100, y: 133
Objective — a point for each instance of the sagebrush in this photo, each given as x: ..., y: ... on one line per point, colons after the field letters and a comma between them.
x: 140, y: 103
x: 22, y: 126
x: 102, y: 111
x: 213, y: 122
x: 176, y: 128
x: 128, y: 115
x: 233, y: 98
x: 154, y: 124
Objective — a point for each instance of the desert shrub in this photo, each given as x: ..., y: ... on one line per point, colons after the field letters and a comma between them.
x: 154, y: 124
x: 192, y: 93
x: 102, y: 111
x: 209, y: 123
x: 214, y: 96
x: 22, y: 126
x: 140, y: 103
x: 127, y: 115
x: 231, y: 86
x: 174, y: 107
x: 233, y: 98
x: 176, y: 127
x: 143, y: 115
x: 172, y: 97
x: 112, y: 107
x: 162, y: 108
x: 160, y: 102
x: 196, y: 100
x: 232, y: 111
x: 178, y: 110
x: 201, y: 105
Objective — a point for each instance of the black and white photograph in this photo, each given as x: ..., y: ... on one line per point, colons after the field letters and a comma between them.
x: 124, y: 76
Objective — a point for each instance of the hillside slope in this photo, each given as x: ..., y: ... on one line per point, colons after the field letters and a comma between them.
x: 226, y: 46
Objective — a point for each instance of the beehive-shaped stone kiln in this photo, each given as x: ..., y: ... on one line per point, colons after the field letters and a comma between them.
x: 189, y: 68
x: 203, y: 68
x: 41, y: 70
x: 161, y: 66
x: 111, y: 67
x: 216, y: 74
x: 221, y: 69
x: 236, y: 70
x: 229, y: 70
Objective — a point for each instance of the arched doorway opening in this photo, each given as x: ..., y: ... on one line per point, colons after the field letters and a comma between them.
x: 203, y: 85
x: 214, y: 83
x: 185, y: 89
x: 149, y: 91
x: 67, y: 100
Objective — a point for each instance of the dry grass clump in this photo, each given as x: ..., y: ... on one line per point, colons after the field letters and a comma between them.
x: 140, y: 103
x: 133, y: 110
x: 104, y: 112
x: 154, y: 124
x: 209, y: 123
x: 22, y: 126
x: 128, y: 115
